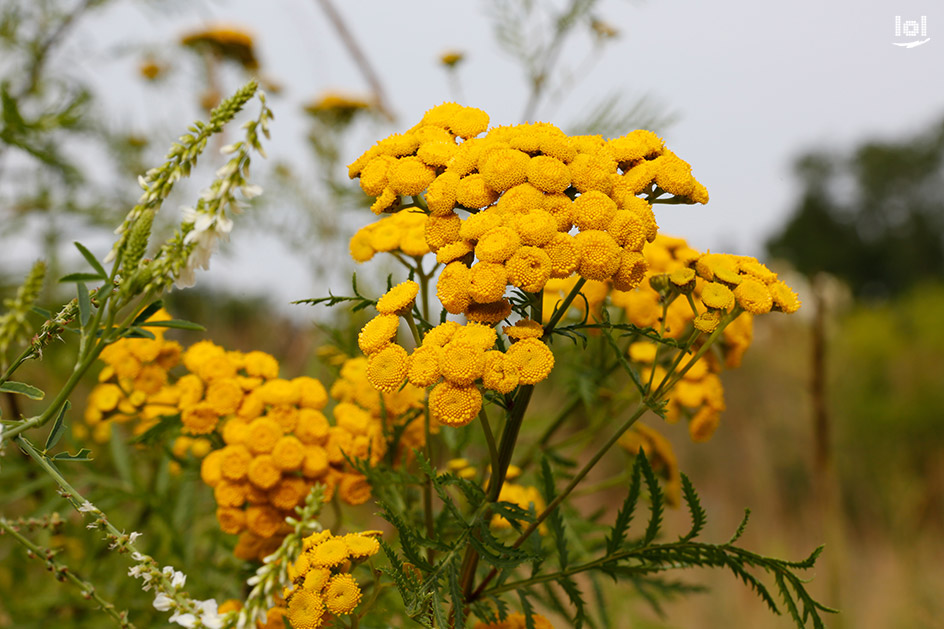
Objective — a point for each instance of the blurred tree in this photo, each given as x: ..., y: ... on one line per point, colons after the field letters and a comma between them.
x: 874, y: 217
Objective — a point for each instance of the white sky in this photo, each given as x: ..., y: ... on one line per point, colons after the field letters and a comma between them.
x: 753, y: 84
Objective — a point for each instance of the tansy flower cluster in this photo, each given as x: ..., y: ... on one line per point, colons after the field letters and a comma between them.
x: 397, y: 411
x: 541, y: 204
x: 322, y: 586
x: 516, y: 621
x: 133, y: 385
x: 403, y: 232
x: 452, y: 358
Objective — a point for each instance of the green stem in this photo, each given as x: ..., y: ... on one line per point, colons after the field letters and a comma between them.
x: 63, y: 573
x: 428, y: 486
x: 489, y: 439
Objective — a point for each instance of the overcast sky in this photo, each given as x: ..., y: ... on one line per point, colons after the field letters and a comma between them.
x: 753, y: 84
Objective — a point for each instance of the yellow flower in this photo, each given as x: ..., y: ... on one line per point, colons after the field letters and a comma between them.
x: 224, y: 395
x: 703, y: 424
x: 263, y: 520
x: 505, y: 168
x: 424, y: 365
x: 387, y: 369
x: 627, y: 229
x: 442, y: 229
x: 473, y: 192
x: 329, y: 553
x: 311, y: 392
x: 451, y: 58
x: 536, y: 227
x: 476, y: 334
x: 635, y: 146
x: 398, y: 299
x: 288, y: 452
x: 305, y: 609
x: 105, y: 397
x: 354, y: 489
x: 598, y: 255
x: 593, y: 210
x: 453, y: 252
x: 592, y: 172
x: 674, y: 175
x: 548, y: 174
x: 228, y: 494
x: 453, y: 286
x: 497, y: 245
x: 529, y: 269
x: 210, y: 468
x: 784, y: 299
x: 533, y: 359
x: 499, y: 374
x: 441, y: 195
x: 360, y: 545
x: 631, y: 271
x: 264, y: 472
x: 441, y: 334
x: 487, y: 281
x: 717, y: 296
x: 455, y: 405
x: 461, y: 363
x: 374, y: 176
x: 524, y: 329
x: 519, y: 199
x: 199, y: 419
x: 707, y: 322
x: 474, y: 227
x: 316, y: 461
x: 342, y: 594
x: 263, y: 434
x: 409, y: 176
x: 377, y: 333
x: 226, y: 40
x: 560, y: 207
x: 562, y: 252
x: 437, y: 153
x: 524, y: 497
x: 261, y: 364
x: 489, y: 313
x: 288, y: 493
x: 752, y: 295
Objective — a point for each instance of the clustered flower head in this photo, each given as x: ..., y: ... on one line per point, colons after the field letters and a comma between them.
x: 133, y: 386
x: 539, y: 204
x: 453, y: 359
x: 322, y: 586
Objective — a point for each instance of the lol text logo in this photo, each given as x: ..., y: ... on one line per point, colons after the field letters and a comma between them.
x: 911, y: 29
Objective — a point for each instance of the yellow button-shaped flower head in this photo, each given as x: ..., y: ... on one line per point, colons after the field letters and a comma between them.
x: 342, y: 594
x: 563, y: 255
x: 548, y: 174
x: 752, y: 295
x: 398, y: 299
x: 529, y: 269
x: 628, y: 230
x: 785, y: 300
x: 631, y: 271
x: 536, y: 227
x: 455, y: 405
x: 377, y: 333
x: 524, y: 329
x: 598, y: 255
x: 441, y: 196
x: 452, y: 288
x: 461, y: 363
x: 593, y: 210
x: 489, y: 313
x: 499, y: 374
x: 473, y: 192
x: 442, y: 229
x: 505, y: 168
x: 674, y: 175
x: 497, y: 245
x: 374, y: 176
x: 533, y: 359
x: 477, y: 334
x: 305, y: 609
x: 487, y: 282
x: 478, y: 224
x: 635, y: 146
x: 441, y: 334
x: 359, y: 545
x: 386, y: 369
x: 717, y: 296
x: 424, y: 367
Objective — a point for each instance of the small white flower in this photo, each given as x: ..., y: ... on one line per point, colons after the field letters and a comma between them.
x: 140, y: 558
x: 142, y: 182
x: 136, y: 571
x: 251, y: 191
x: 230, y: 148
x: 178, y: 580
x: 133, y: 535
x: 87, y: 507
x: 163, y: 603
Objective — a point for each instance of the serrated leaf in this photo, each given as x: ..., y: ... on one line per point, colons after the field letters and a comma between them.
x: 625, y: 515
x: 555, y: 520
x: 178, y: 324
x: 656, y: 500
x: 12, y: 386
x: 79, y: 277
x: 694, y: 508
x: 455, y: 592
x: 85, y: 304
x: 81, y: 455
x: 57, y: 428
x: 93, y: 262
